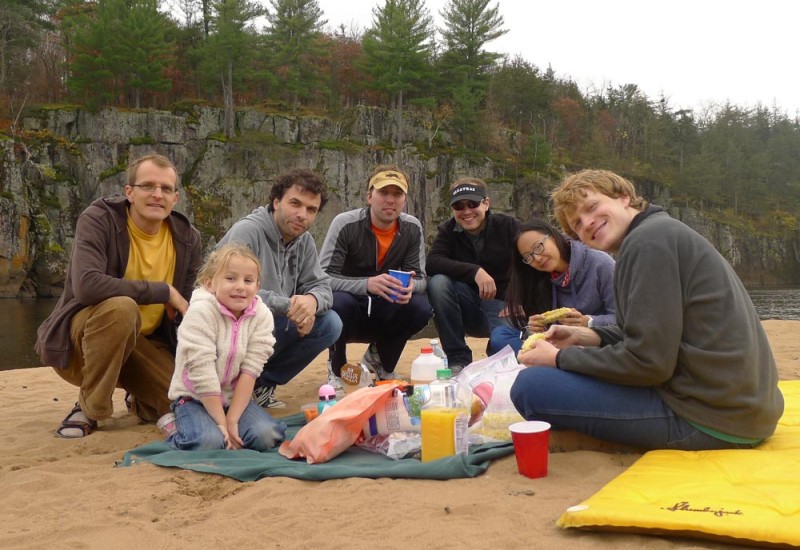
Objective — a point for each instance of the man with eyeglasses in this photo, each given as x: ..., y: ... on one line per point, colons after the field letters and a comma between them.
x: 468, y: 266
x: 133, y: 265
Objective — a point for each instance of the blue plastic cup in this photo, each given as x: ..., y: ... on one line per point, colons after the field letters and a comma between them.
x: 402, y: 276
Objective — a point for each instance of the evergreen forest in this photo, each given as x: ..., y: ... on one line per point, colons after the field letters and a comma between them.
x: 740, y: 165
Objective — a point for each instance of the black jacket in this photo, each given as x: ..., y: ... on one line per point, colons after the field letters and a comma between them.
x: 453, y: 253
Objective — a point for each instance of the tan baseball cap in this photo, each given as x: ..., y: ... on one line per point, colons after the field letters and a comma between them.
x: 388, y: 177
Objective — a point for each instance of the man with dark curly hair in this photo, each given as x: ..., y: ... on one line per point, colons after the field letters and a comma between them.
x: 293, y: 285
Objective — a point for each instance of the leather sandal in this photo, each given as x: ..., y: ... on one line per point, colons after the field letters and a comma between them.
x: 71, y: 423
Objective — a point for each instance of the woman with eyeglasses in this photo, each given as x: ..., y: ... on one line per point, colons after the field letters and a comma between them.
x: 550, y: 271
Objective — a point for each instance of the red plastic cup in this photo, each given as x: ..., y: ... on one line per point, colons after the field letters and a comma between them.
x: 402, y: 276
x: 531, y: 447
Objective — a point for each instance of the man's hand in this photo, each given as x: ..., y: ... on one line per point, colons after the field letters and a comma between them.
x: 556, y: 338
x: 176, y: 303
x: 562, y: 336
x: 542, y: 355
x: 302, y: 312
x: 391, y: 289
x: 487, y: 288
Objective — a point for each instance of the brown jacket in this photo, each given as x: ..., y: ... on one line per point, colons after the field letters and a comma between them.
x: 96, y: 269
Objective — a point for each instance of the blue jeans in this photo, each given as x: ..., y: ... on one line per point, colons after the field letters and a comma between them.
x: 631, y: 415
x: 293, y: 353
x: 503, y: 336
x: 388, y: 325
x: 197, y: 431
x: 458, y: 311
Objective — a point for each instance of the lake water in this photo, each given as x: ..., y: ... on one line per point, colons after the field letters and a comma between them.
x: 20, y: 318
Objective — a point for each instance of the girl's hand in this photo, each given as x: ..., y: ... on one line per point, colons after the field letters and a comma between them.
x: 536, y: 323
x: 224, y: 429
x: 235, y: 442
x: 574, y: 319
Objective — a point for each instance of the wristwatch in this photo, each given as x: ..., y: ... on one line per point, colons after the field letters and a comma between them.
x: 591, y: 321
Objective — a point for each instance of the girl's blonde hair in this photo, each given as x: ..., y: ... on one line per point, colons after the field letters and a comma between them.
x: 218, y: 259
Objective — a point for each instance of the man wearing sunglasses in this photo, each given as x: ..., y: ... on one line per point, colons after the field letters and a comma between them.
x: 468, y: 266
x: 133, y: 265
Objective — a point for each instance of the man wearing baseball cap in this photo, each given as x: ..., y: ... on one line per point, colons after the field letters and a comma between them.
x: 468, y: 266
x: 360, y: 248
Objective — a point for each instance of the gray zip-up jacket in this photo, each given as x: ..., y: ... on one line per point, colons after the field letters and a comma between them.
x: 350, y: 251
x: 287, y: 269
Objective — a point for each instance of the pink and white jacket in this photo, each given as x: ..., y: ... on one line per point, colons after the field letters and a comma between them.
x: 214, y: 347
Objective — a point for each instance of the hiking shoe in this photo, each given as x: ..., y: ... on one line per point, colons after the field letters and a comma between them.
x: 372, y: 360
x: 334, y: 380
x: 265, y: 397
x: 455, y: 369
x: 386, y: 375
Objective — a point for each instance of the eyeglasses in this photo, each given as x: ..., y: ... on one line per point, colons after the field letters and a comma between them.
x: 538, y: 248
x: 149, y: 188
x: 461, y: 205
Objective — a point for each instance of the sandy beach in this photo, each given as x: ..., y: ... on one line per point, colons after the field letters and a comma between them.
x: 68, y: 494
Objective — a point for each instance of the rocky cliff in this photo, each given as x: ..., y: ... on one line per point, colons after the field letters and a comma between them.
x: 69, y: 157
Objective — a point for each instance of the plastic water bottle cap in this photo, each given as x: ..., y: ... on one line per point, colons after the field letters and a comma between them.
x: 443, y: 373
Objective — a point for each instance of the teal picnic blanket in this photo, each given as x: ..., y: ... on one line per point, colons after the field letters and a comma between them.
x: 246, y: 465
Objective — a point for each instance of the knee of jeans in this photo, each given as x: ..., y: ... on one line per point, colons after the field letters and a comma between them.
x: 209, y: 440
x: 330, y: 326
x: 267, y: 435
x: 439, y: 285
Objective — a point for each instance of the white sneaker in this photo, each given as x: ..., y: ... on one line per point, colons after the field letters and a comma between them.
x: 334, y: 380
x: 372, y: 361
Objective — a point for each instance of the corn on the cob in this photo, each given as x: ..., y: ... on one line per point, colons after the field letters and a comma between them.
x: 529, y: 341
x: 555, y: 314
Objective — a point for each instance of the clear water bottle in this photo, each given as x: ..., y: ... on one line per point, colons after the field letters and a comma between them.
x: 438, y: 351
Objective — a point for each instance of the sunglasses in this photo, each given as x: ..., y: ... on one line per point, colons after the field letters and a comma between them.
x: 461, y: 205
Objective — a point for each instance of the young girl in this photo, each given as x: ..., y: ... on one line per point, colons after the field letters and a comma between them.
x: 223, y: 342
x: 550, y: 271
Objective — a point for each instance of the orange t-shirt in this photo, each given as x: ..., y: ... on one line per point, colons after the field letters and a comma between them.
x: 384, y: 238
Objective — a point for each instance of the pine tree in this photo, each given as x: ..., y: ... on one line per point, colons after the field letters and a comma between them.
x: 465, y: 64
x: 117, y: 47
x: 397, y: 52
x: 227, y: 55
x: 295, y: 46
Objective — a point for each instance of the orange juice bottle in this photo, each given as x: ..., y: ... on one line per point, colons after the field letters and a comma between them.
x: 444, y: 432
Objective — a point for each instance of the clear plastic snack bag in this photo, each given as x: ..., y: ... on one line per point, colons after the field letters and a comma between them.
x: 490, y: 380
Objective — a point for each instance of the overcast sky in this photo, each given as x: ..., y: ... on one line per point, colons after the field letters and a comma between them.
x: 697, y: 53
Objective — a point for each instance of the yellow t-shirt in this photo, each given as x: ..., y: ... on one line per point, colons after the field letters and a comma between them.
x: 151, y: 258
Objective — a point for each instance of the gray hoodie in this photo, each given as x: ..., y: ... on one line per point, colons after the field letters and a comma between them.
x: 287, y: 269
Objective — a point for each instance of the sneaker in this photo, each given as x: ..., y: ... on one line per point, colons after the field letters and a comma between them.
x: 334, y: 380
x: 372, y: 360
x: 265, y: 397
x: 455, y: 369
x: 385, y: 375
x: 166, y: 424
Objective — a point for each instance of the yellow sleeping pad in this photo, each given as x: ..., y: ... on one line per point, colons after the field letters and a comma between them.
x: 742, y: 496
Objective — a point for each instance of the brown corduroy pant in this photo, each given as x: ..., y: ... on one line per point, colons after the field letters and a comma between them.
x: 108, y: 352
